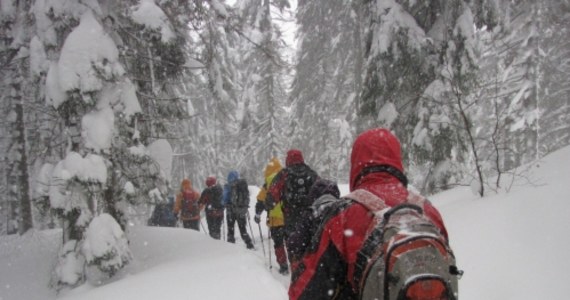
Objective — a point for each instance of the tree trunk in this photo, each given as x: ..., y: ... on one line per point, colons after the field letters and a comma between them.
x: 26, y: 218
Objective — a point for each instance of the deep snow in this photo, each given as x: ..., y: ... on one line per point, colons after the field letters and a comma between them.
x: 511, y: 245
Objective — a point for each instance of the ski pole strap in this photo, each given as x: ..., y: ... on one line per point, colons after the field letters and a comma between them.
x: 384, y: 169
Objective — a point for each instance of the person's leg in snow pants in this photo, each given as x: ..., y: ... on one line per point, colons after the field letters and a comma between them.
x: 231, y: 219
x: 214, y: 220
x: 231, y: 222
x: 242, y: 225
x: 278, y: 236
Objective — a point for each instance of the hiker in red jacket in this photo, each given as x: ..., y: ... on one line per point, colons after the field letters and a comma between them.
x: 327, y: 270
x: 211, y: 199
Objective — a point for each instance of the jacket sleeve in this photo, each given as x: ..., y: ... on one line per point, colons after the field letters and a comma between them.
x: 197, y: 196
x: 177, y: 204
x: 275, y: 191
x: 261, y: 196
x: 204, y: 197
x: 321, y: 274
x: 226, y: 195
x: 262, y: 193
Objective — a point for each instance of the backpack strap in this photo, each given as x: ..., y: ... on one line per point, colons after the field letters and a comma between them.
x: 334, y: 209
x: 372, y: 202
x: 369, y: 250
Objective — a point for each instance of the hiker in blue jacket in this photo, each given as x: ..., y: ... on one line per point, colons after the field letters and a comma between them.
x: 236, y: 200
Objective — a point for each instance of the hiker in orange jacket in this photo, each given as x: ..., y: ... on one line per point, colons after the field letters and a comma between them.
x: 188, y: 206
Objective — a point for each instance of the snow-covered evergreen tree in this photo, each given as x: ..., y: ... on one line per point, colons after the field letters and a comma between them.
x: 327, y: 82
x: 263, y: 93
x: 92, y: 82
x: 16, y: 90
x: 421, y: 67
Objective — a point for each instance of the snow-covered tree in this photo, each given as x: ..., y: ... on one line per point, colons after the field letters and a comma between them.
x: 16, y: 92
x: 262, y: 92
x: 92, y: 81
x: 421, y: 67
x: 327, y: 82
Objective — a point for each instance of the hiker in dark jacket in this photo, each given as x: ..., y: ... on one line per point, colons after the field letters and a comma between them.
x: 322, y: 194
x: 327, y: 270
x: 236, y: 200
x: 211, y: 199
x: 290, y: 187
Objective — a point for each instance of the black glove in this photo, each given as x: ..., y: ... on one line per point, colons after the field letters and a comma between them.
x: 257, y: 219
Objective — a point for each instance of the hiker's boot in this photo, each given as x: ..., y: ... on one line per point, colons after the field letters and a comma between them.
x: 283, y: 269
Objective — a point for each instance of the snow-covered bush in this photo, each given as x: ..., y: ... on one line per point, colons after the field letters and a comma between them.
x: 105, y: 247
x: 69, y: 268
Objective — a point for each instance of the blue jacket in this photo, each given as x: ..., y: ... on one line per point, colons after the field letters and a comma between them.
x: 232, y: 177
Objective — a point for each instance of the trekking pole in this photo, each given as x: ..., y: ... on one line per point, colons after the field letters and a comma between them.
x: 250, y: 229
x: 269, y: 248
x: 203, y: 227
x: 224, y: 226
x: 261, y: 237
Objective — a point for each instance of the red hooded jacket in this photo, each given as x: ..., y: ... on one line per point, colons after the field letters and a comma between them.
x: 329, y: 266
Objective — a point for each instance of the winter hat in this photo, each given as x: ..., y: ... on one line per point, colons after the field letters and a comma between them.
x: 210, y: 181
x: 272, y: 167
x: 375, y: 148
x: 323, y: 187
x: 186, y: 184
x: 294, y: 156
x: 233, y: 176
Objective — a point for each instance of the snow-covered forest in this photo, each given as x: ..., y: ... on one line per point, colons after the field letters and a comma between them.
x: 108, y: 104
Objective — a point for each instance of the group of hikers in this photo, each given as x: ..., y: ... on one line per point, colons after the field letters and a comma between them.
x: 381, y: 241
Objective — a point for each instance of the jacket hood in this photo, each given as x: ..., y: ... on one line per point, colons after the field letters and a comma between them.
x: 294, y: 156
x: 233, y: 176
x: 186, y: 184
x: 272, y: 167
x: 210, y: 181
x: 374, y: 147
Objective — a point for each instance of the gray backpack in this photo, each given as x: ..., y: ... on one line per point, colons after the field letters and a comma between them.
x: 405, y: 257
x: 239, y: 201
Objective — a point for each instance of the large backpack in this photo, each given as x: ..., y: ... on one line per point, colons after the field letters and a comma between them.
x: 404, y: 257
x: 190, y: 206
x: 300, y: 179
x: 214, y: 195
x: 239, y: 200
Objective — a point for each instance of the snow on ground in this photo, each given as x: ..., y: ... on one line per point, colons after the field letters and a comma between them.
x: 511, y: 245
x: 514, y: 245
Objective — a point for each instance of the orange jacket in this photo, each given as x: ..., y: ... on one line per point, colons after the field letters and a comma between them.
x: 186, y: 187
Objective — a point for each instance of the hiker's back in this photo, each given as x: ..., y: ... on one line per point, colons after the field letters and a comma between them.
x: 300, y: 179
x: 405, y: 256
x: 213, y: 194
x: 239, y: 202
